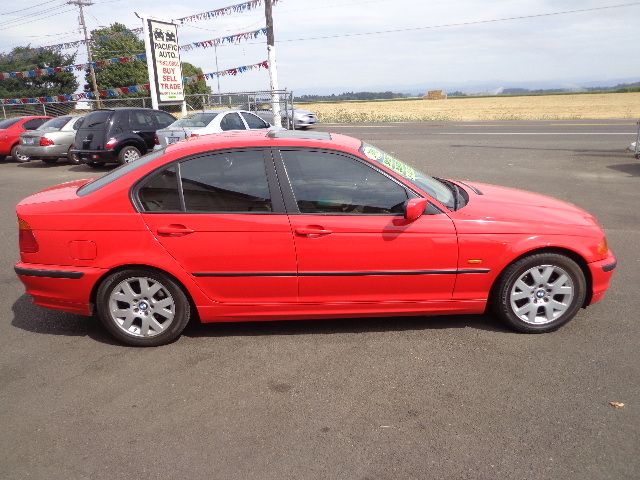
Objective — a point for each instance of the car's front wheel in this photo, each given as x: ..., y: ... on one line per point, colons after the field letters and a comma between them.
x: 539, y: 293
x: 128, y: 154
x: 144, y: 308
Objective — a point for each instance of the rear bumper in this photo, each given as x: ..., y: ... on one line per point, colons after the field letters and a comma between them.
x: 59, y: 287
x: 100, y: 156
x: 601, y: 273
x: 36, y: 151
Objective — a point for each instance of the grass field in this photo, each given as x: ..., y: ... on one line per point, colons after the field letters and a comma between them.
x: 542, y: 107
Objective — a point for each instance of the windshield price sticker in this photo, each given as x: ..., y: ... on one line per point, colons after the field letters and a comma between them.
x: 390, y: 162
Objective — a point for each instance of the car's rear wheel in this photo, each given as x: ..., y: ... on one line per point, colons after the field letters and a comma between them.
x: 128, y: 154
x: 17, y: 156
x: 144, y: 308
x: 50, y: 161
x: 540, y: 293
x: 73, y: 157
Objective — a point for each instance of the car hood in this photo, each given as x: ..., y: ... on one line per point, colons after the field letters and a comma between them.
x: 519, y: 210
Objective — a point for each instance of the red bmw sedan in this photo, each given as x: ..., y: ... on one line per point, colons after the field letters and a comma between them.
x: 287, y: 225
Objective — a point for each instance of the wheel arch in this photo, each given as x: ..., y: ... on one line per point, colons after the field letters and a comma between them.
x: 573, y: 255
x: 132, y: 142
x: 131, y: 266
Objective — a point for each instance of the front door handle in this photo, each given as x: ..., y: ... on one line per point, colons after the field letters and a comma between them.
x: 312, y: 231
x: 174, y: 230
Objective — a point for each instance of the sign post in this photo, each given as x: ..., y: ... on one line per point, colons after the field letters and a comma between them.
x: 163, y: 62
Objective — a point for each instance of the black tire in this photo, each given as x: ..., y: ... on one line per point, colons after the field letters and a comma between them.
x: 128, y: 154
x: 181, y: 307
x: 501, y: 299
x: 73, y: 157
x: 17, y: 157
x: 50, y: 161
x: 95, y: 164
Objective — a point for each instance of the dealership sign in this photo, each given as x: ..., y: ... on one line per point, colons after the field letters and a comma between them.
x: 163, y: 60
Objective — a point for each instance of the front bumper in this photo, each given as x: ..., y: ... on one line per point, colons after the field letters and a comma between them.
x: 601, y: 273
x: 60, y: 287
x: 99, y: 156
x: 51, y: 151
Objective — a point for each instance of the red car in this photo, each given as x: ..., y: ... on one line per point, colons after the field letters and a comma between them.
x: 10, y: 130
x: 288, y: 225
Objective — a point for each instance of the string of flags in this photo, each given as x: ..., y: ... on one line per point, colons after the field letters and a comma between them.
x: 74, y: 97
x: 219, y: 12
x: 236, y: 38
x: 78, y: 43
x: 114, y: 92
x: 40, y: 72
x: 223, y: 73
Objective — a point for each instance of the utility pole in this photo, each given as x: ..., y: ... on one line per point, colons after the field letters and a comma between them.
x: 80, y: 4
x: 273, y: 72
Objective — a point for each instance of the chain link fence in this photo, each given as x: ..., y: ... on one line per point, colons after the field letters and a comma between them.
x: 258, y: 101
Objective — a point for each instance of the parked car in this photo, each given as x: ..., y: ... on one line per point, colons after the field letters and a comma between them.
x: 300, y: 119
x: 52, y: 140
x: 10, y: 130
x: 289, y: 225
x: 208, y: 122
x: 118, y: 135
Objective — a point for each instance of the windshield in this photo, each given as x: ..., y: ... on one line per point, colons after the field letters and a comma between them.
x: 8, y: 122
x: 437, y: 189
x: 121, y: 171
x: 54, y: 123
x: 195, y: 121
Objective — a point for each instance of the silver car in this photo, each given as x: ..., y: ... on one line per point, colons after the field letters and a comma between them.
x: 301, y: 119
x: 51, y: 140
x: 207, y: 122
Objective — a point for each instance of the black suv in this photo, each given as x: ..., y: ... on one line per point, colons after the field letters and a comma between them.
x: 118, y: 135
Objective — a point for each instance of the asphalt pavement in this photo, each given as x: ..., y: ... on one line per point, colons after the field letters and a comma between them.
x: 456, y: 397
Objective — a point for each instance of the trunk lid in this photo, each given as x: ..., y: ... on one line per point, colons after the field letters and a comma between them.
x: 56, y: 193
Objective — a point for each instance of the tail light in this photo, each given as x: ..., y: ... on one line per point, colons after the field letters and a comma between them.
x: 156, y: 140
x: 110, y: 143
x: 26, y: 238
x: 46, y: 142
x: 193, y: 135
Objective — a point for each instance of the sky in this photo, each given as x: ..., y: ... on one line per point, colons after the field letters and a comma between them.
x: 572, y: 50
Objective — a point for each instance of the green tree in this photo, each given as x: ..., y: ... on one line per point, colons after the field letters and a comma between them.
x: 27, y: 58
x: 118, y: 41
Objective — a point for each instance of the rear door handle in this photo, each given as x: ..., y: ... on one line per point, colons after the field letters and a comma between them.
x: 312, y: 231
x: 174, y: 230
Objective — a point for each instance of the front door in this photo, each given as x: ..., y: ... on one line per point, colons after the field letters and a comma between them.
x: 351, y: 239
x: 220, y: 215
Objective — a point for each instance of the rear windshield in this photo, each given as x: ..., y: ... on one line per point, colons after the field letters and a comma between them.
x: 96, y: 120
x: 8, y: 122
x: 196, y: 120
x: 56, y: 123
x: 119, y: 172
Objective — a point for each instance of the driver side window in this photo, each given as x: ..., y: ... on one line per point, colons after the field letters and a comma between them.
x: 330, y: 183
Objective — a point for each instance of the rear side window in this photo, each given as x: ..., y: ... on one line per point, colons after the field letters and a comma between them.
x: 254, y: 122
x: 8, y: 122
x: 163, y: 120
x: 226, y: 183
x: 57, y: 123
x: 232, y: 121
x: 78, y: 123
x: 96, y: 120
x: 33, y: 124
x: 141, y: 120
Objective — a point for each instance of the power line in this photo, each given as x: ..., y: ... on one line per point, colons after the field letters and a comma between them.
x: 18, y: 22
x: 28, y: 8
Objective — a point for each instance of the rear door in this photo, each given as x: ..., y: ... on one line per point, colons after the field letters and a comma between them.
x: 221, y: 216
x: 93, y: 131
x: 143, y: 124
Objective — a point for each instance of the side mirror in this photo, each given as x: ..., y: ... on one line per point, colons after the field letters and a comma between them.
x: 414, y: 208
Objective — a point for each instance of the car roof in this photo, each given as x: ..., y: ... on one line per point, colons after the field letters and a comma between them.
x: 263, y: 138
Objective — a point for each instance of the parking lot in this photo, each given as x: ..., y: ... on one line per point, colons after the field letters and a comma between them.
x: 424, y: 397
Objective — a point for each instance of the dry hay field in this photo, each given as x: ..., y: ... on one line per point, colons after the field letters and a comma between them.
x: 541, y: 107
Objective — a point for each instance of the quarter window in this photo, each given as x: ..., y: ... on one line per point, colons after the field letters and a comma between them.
x: 232, y: 121
x: 226, y: 183
x: 254, y: 122
x: 325, y: 182
x: 160, y: 194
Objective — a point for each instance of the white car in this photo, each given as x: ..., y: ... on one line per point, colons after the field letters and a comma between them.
x: 208, y: 122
